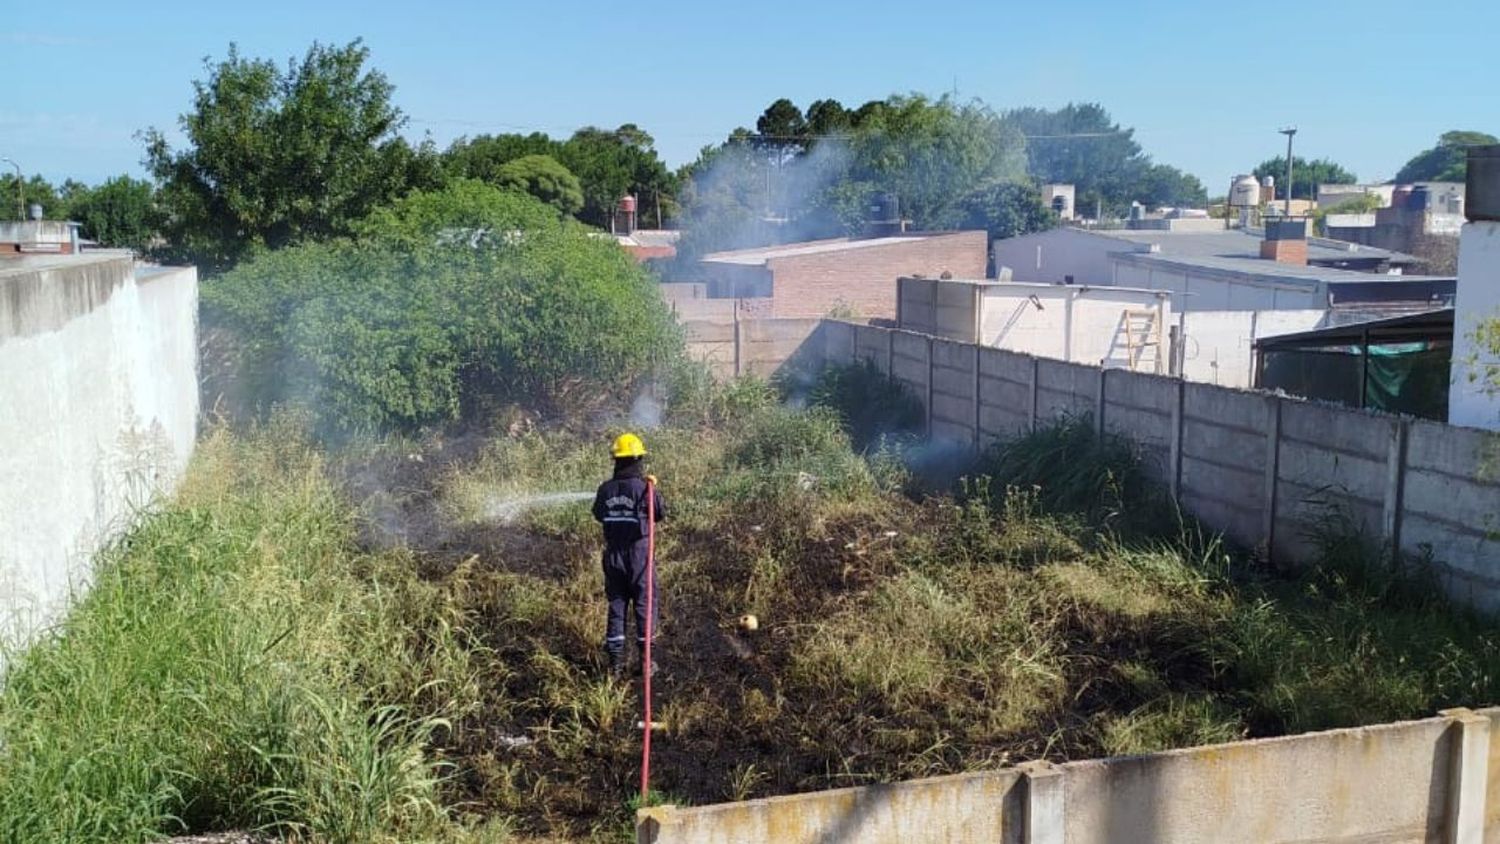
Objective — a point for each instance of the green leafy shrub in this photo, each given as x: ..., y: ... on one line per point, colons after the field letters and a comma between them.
x: 449, y: 302
x: 870, y: 404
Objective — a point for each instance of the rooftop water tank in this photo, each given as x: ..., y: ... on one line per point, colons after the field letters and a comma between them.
x: 885, y: 208
x: 1244, y: 192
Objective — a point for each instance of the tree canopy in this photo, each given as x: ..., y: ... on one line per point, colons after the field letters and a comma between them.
x: 120, y: 212
x: 805, y: 176
x: 1306, y: 175
x: 544, y: 178
x: 277, y: 156
x: 1446, y: 162
x: 1081, y: 144
x: 417, y: 321
x: 608, y: 164
x: 1006, y: 209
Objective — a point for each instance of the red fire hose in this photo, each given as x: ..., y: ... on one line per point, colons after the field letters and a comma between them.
x: 647, y: 669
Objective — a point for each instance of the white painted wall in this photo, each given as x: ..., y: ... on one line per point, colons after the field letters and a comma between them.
x: 99, y: 414
x: 1071, y: 323
x: 1478, y: 299
x: 1213, y: 290
x: 1218, y: 346
x: 1051, y: 256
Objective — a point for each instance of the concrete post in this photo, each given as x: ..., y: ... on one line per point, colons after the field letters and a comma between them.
x: 1099, y: 404
x: 853, y: 342
x: 928, y: 430
x: 978, y: 403
x: 1395, y: 483
x: 1044, y: 803
x: 1273, y: 469
x: 739, y: 366
x: 890, y: 354
x: 1468, y: 774
x: 1031, y: 411
x: 1174, y: 472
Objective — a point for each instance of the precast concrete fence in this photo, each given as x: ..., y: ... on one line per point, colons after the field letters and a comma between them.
x: 1265, y: 469
x: 1414, y: 781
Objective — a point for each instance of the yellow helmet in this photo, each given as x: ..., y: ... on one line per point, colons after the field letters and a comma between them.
x: 628, y: 445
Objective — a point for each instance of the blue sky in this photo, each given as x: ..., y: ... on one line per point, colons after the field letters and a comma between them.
x: 1205, y: 84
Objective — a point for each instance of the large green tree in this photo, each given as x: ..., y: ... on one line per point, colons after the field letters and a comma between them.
x: 1082, y: 145
x: 544, y: 178
x: 482, y: 157
x: 278, y: 155
x: 1306, y: 175
x: 607, y: 163
x: 1446, y: 162
x: 1006, y: 209
x: 612, y: 163
x: 929, y: 152
x: 37, y: 191
x: 120, y: 212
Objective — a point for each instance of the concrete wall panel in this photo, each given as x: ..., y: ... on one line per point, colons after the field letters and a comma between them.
x: 1006, y: 394
x: 910, y: 369
x: 1066, y: 388
x: 1339, y: 474
x: 953, y: 409
x: 1011, y: 367
x: 965, y: 807
x: 909, y: 344
x: 1233, y: 407
x: 1223, y: 444
x: 1141, y: 390
x: 953, y: 355
x: 1003, y: 422
x: 1235, y: 522
x: 953, y: 382
x: 100, y: 363
x: 946, y: 431
x: 1363, y: 434
x: 1373, y: 784
x: 1391, y: 784
x: 1243, y: 489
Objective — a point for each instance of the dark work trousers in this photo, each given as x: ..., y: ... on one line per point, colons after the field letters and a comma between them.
x: 624, y: 585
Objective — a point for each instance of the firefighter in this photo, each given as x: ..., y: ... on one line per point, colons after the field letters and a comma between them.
x: 620, y: 507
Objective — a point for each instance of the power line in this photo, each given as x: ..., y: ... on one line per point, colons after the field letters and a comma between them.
x: 754, y: 136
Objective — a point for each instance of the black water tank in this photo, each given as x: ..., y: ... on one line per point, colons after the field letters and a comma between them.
x: 1421, y: 197
x: 1482, y: 194
x: 885, y: 208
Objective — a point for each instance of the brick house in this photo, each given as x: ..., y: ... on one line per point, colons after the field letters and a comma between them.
x: 859, y: 275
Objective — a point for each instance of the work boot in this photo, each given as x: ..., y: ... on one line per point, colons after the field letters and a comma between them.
x: 616, y: 664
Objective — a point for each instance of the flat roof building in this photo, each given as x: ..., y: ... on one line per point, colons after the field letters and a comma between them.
x: 856, y: 276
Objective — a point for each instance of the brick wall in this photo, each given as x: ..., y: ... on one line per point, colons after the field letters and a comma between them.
x: 864, y: 279
x: 1285, y: 251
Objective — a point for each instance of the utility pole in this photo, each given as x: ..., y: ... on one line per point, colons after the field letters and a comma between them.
x: 1289, y: 132
x: 20, y: 189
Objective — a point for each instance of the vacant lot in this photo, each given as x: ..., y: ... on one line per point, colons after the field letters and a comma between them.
x: 387, y: 644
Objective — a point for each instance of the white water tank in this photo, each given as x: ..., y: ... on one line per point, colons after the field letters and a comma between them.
x: 1244, y: 192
